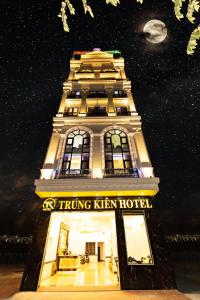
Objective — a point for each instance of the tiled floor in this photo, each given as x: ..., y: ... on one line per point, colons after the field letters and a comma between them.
x: 90, y: 276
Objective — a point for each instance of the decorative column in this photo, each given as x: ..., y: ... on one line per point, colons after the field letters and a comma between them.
x: 49, y: 163
x: 61, y: 109
x: 111, y: 108
x: 83, y: 107
x: 96, y: 157
x: 131, y: 102
x: 145, y: 163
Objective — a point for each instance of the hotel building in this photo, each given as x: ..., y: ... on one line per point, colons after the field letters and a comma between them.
x: 97, y: 229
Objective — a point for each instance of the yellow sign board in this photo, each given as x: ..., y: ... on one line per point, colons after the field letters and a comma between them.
x: 58, y: 204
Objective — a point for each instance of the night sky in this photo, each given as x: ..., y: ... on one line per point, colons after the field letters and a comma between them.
x: 166, y: 87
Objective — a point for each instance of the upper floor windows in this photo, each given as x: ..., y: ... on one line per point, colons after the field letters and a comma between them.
x: 74, y: 95
x: 119, y: 94
x: 71, y: 111
x: 97, y: 111
x: 97, y: 94
x: 122, y: 111
x: 77, y: 153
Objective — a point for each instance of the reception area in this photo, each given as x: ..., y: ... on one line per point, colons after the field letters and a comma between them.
x: 80, y: 252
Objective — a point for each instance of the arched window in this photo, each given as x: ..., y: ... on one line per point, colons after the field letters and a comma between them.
x: 77, y: 153
x: 117, y: 154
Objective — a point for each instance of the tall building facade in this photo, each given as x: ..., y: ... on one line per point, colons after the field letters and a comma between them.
x: 97, y: 229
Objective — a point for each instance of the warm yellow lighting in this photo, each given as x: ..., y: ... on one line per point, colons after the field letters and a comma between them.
x: 97, y: 173
x: 48, y: 194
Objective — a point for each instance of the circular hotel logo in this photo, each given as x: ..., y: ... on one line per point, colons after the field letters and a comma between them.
x: 49, y: 204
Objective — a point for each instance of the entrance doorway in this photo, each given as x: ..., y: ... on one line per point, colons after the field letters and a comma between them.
x: 80, y: 252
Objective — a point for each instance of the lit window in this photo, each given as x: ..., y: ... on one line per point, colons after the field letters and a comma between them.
x: 71, y: 111
x: 117, y: 154
x: 76, y: 156
x: 122, y: 111
x: 137, y: 241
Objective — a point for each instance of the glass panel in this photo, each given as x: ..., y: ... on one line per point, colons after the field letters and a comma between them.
x: 124, y: 140
x: 68, y: 148
x: 108, y: 148
x: 127, y: 164
x: 86, y: 141
x: 85, y: 165
x: 108, y: 156
x: 85, y: 156
x: 137, y: 243
x: 86, y: 148
x: 67, y: 156
x: 126, y: 156
x: 78, y: 141
x: 116, y: 141
x: 109, y: 165
x: 71, y: 134
x: 76, y: 161
x: 107, y: 140
x: 125, y: 146
x: 118, y: 161
x: 76, y: 132
x: 112, y: 131
x: 69, y: 141
x: 108, y: 134
x: 122, y: 134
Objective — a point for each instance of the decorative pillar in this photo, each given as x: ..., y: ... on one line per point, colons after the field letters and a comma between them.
x: 61, y: 109
x: 131, y: 102
x: 111, y: 108
x: 49, y: 163
x: 83, y: 107
x: 96, y: 157
x: 144, y: 160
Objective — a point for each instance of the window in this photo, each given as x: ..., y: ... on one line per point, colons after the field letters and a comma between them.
x: 117, y: 154
x: 119, y: 93
x: 74, y: 94
x: 97, y: 94
x: 77, y: 153
x: 97, y: 111
x: 122, y: 111
x: 137, y: 241
x: 71, y: 111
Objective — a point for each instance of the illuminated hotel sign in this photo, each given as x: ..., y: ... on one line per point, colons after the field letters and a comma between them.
x: 50, y: 204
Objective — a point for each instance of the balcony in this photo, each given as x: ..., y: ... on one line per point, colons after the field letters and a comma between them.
x: 96, y: 111
x: 97, y: 94
x: 119, y: 94
x: 124, y: 113
x: 73, y: 173
x: 129, y: 172
x: 74, y: 95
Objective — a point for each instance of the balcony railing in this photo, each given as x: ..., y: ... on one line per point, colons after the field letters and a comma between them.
x: 97, y: 95
x: 124, y: 113
x: 78, y: 173
x: 97, y: 111
x: 129, y: 172
x: 67, y: 114
x: 73, y: 96
x: 120, y: 95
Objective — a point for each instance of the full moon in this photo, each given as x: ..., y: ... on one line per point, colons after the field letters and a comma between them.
x: 156, y: 31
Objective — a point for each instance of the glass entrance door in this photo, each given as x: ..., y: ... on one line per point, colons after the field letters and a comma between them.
x: 80, y: 252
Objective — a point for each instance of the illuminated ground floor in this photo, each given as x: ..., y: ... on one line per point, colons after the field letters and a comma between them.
x: 87, y: 249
